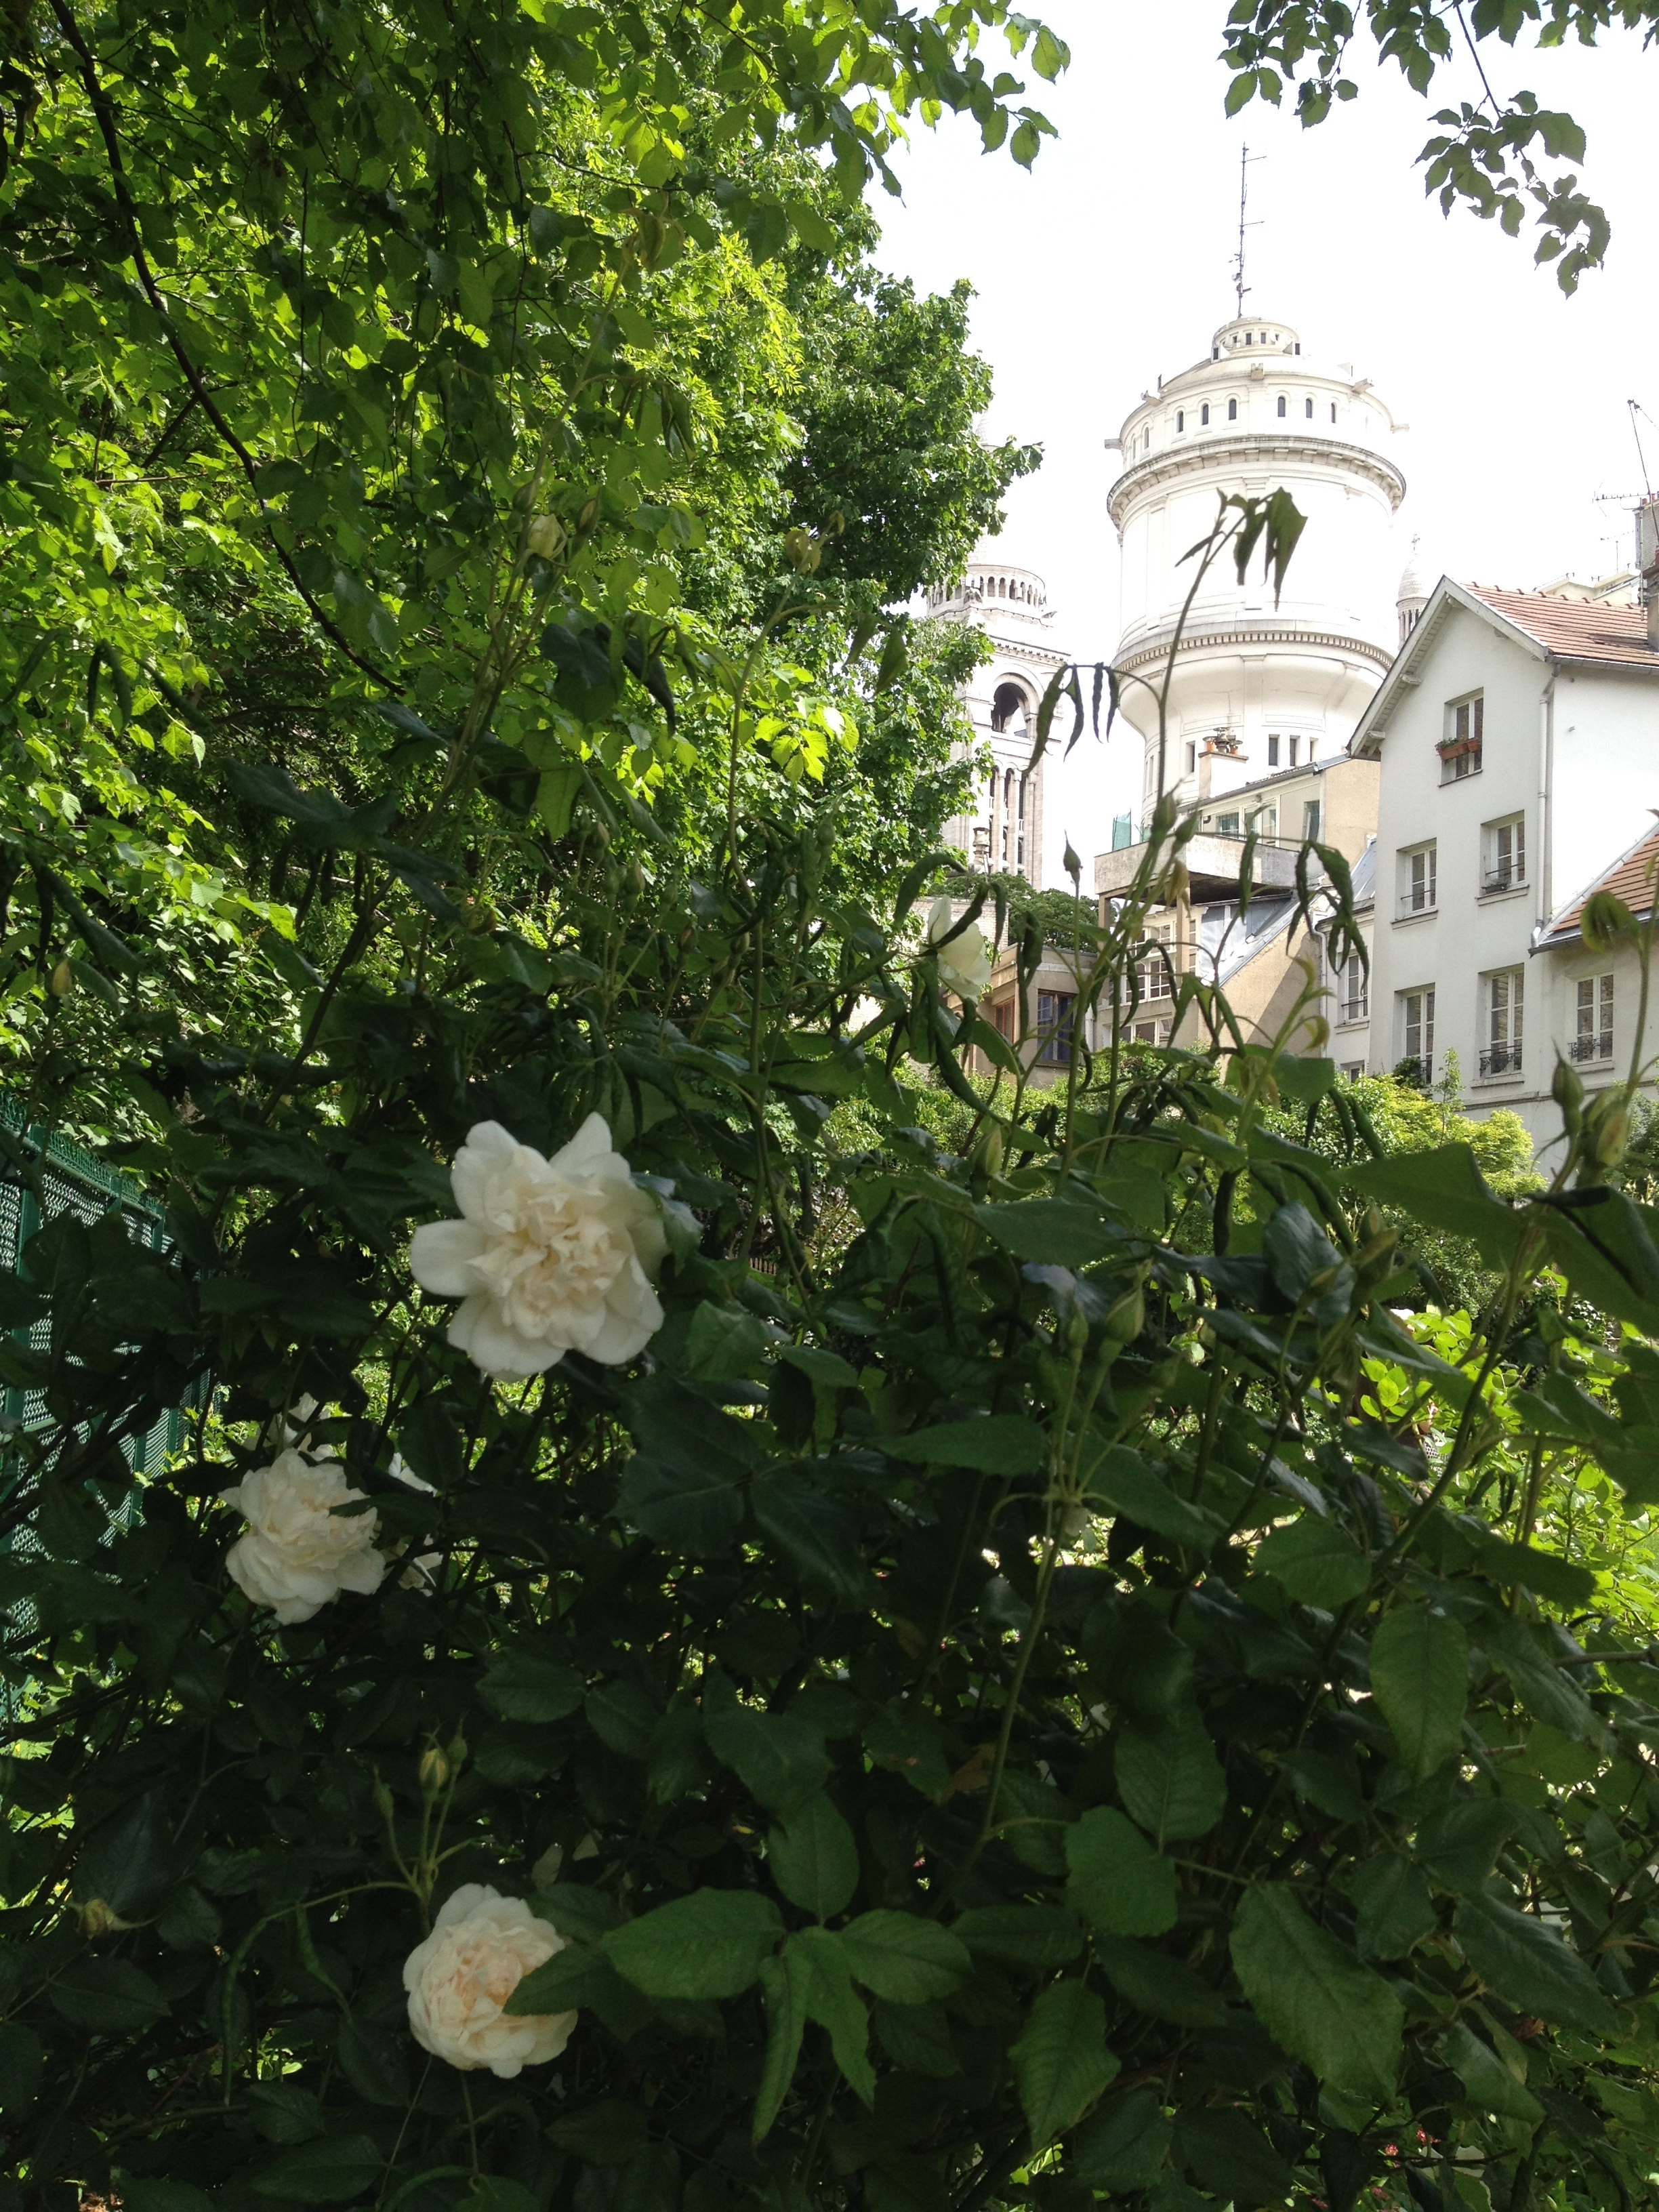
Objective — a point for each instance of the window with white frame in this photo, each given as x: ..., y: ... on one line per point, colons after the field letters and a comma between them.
x: 1226, y: 825
x: 1416, y: 1034
x: 1312, y: 814
x: 1192, y: 757
x: 1418, y: 879
x: 1352, y: 1070
x: 1153, y: 974
x: 1353, y: 990
x: 1592, y: 1034
x: 1264, y: 821
x: 1502, y: 995
x: 1504, y: 854
x: 1464, y: 741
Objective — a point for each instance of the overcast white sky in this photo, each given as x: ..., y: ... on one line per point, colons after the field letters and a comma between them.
x: 1110, y: 264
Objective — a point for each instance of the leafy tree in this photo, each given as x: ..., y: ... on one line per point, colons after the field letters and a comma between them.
x: 1495, y: 156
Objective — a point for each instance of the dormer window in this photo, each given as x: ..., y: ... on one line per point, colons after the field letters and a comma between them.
x: 1232, y: 410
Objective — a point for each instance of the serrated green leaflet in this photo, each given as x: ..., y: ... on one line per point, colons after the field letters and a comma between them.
x: 1118, y: 1882
x: 1314, y: 1997
x: 1170, y: 1780
x: 1419, y: 1677
x: 1061, y: 2061
x: 709, y: 1945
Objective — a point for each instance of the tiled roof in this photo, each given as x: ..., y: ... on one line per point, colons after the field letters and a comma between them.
x: 1575, y: 629
x: 1630, y: 878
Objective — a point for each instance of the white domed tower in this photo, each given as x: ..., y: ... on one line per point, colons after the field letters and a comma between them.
x: 1256, y: 687
x: 1412, y: 594
x: 1004, y: 834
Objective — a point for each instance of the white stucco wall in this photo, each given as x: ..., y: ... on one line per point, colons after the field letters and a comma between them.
x: 1577, y: 759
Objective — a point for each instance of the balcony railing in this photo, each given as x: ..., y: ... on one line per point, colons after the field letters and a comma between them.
x: 1354, y: 1010
x: 1495, y: 880
x: 1416, y: 1067
x: 1501, y: 1060
x: 1597, y: 1045
x: 1419, y: 901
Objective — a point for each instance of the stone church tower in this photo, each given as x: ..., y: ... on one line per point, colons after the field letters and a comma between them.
x: 1257, y: 688
x: 1004, y: 834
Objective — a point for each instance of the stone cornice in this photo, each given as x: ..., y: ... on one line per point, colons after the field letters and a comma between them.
x: 1236, y: 634
x: 1211, y: 456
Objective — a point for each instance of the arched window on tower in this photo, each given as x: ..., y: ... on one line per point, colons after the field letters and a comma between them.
x: 1203, y: 413
x: 1008, y: 706
x: 1281, y: 402
x: 1308, y: 404
x: 1332, y: 411
x: 1249, y: 338
x: 1181, y: 421
x: 1232, y: 410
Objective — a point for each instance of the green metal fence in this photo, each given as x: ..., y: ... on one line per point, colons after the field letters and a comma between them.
x: 72, y: 1182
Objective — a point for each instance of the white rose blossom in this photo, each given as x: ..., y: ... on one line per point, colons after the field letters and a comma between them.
x: 297, y: 1554
x: 549, y: 1256
x: 964, y: 964
x: 480, y: 1948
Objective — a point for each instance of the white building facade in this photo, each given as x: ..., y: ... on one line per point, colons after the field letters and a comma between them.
x: 1256, y: 686
x: 1004, y: 834
x: 1518, y: 734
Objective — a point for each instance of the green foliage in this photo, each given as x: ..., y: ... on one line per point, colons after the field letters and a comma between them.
x: 1494, y: 157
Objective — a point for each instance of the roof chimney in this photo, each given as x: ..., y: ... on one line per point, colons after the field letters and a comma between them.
x: 1647, y: 559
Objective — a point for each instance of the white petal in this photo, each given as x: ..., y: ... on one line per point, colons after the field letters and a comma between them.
x: 440, y: 1253
x: 488, y: 1148
x: 626, y: 1326
x: 590, y: 1144
x: 479, y: 1330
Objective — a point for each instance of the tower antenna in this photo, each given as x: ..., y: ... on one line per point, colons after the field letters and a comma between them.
x: 1635, y: 410
x: 1245, y: 158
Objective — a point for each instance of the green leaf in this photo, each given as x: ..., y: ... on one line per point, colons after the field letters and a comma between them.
x: 1489, y: 2083
x: 1000, y: 1444
x: 108, y: 1996
x: 1170, y: 1778
x: 781, y: 1761
x: 708, y: 1945
x: 1123, y: 1481
x: 917, y: 2039
x: 1419, y: 1678
x: 1124, y: 2147
x: 814, y: 1858
x: 1318, y: 1563
x: 524, y: 1686
x: 1021, y: 1934
x: 725, y: 1341
x: 1446, y: 1191
x: 1119, y: 1883
x: 1054, y: 1232
x: 1458, y: 1846
x: 1061, y: 2061
x: 138, y: 2196
x: 1228, y: 2155
x: 581, y: 1978
x: 697, y: 1510
x: 1314, y: 1999
x: 19, y: 2066
x: 784, y: 1981
x: 904, y: 1958
x: 819, y: 1537
x: 331, y: 2171
x: 1530, y: 1966
x: 833, y: 2001
x: 1154, y: 1982
x: 1394, y: 1909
